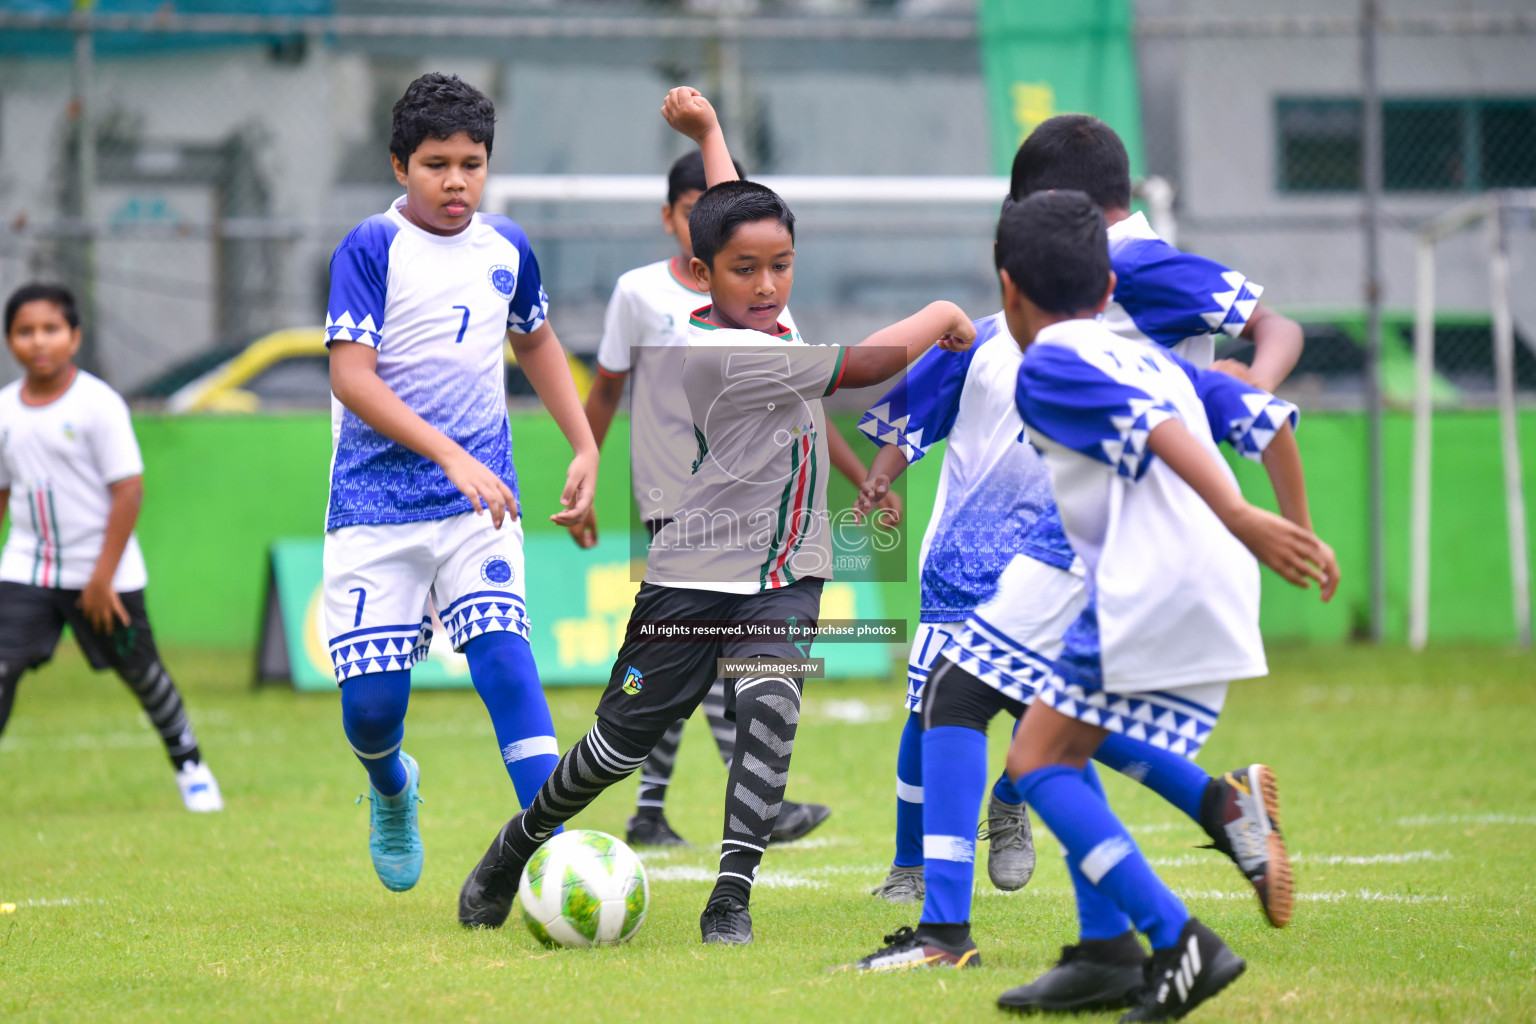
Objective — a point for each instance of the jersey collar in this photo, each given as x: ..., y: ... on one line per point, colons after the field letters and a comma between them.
x: 700, y: 318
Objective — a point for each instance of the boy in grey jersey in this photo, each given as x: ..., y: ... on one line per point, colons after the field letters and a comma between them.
x: 749, y: 546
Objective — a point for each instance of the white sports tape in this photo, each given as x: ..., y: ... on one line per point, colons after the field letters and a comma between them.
x: 533, y: 746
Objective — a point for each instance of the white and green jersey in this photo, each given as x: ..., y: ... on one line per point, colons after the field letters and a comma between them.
x: 59, y: 461
x: 645, y: 333
x: 753, y: 513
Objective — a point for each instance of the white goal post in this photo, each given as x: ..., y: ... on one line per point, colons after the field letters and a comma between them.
x: 1489, y: 211
x: 502, y: 190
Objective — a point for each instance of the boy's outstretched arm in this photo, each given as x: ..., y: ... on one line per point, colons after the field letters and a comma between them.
x: 1282, y: 461
x: 356, y: 383
x: 1286, y: 547
x: 890, y: 462
x: 543, y: 360
x: 687, y: 111
x: 852, y: 467
x: 890, y: 350
x: 1277, y: 344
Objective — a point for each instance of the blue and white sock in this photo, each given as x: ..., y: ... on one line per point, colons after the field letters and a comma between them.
x: 1097, y: 915
x: 955, y: 766
x: 1171, y: 776
x: 373, y: 717
x: 909, y: 793
x: 1104, y: 851
x: 501, y: 666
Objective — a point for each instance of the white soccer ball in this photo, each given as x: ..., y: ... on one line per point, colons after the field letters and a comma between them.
x: 584, y: 888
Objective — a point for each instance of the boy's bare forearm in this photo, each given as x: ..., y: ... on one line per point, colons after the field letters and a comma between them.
x: 844, y: 457
x: 889, y: 350
x: 602, y: 404
x: 1282, y: 461
x: 718, y: 166
x: 889, y: 462
x: 127, y: 499
x: 1172, y: 442
x: 356, y: 383
x: 1277, y: 344
x: 543, y: 360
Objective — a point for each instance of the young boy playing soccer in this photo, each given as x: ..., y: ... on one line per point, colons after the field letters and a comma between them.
x: 71, y: 474
x: 422, y: 298
x: 645, y: 335
x: 749, y: 544
x: 1162, y: 296
x: 1170, y: 608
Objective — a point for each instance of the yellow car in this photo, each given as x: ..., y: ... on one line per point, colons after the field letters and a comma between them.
x: 290, y: 369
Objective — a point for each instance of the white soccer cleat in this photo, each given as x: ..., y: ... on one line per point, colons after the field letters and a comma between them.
x: 199, y: 789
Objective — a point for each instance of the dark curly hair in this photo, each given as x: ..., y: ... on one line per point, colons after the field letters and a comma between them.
x: 38, y: 291
x: 436, y: 106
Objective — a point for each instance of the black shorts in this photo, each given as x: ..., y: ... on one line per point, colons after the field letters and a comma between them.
x: 656, y: 682
x: 33, y: 618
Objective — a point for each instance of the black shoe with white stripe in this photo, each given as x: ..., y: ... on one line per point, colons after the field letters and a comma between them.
x: 1185, y: 975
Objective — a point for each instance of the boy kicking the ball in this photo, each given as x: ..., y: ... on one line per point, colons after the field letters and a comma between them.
x: 749, y: 544
x: 423, y: 297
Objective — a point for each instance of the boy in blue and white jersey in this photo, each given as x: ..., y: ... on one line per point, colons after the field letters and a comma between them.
x: 1162, y: 296
x: 991, y: 488
x: 423, y: 298
x: 1169, y: 612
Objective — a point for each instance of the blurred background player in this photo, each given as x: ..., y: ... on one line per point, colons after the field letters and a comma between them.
x: 750, y: 542
x: 646, y: 317
x: 71, y: 474
x: 423, y: 297
x: 1170, y: 612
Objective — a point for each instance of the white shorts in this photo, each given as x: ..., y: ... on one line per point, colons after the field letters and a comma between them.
x: 382, y: 583
x: 930, y: 639
x: 1009, y: 642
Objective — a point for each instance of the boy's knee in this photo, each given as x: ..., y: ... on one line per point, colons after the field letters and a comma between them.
x: 954, y: 697
x: 374, y: 704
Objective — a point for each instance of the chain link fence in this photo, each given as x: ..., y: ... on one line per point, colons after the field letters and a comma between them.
x: 224, y: 164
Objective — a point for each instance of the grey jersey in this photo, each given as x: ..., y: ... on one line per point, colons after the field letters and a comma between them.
x: 753, y: 513
x: 645, y: 334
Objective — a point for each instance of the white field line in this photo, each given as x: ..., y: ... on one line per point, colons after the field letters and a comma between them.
x: 1467, y: 819
x: 1340, y: 896
x: 850, y: 712
x: 1328, y: 859
x: 67, y: 901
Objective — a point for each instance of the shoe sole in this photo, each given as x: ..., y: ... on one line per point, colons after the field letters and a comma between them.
x: 970, y: 958
x: 1278, y: 898
x: 1098, y: 1003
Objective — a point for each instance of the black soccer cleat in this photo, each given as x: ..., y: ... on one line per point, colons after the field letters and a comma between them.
x: 486, y: 897
x: 726, y: 922
x: 796, y: 821
x: 1095, y: 974
x: 906, y: 950
x: 1184, y: 975
x: 652, y: 830
x: 1241, y: 813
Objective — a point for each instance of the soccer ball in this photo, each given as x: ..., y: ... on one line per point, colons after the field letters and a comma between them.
x: 584, y: 888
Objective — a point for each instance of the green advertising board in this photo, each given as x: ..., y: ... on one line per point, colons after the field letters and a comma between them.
x: 579, y: 605
x: 1043, y: 57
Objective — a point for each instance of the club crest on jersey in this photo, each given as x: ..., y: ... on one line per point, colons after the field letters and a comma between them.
x: 497, y: 571
x: 634, y: 682
x: 502, y: 280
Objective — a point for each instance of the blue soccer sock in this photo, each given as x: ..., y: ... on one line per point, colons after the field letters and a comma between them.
x: 1171, y: 776
x: 909, y: 793
x: 1097, y: 915
x: 1004, y: 789
x: 502, y: 669
x: 1104, y: 851
x: 373, y: 717
x: 955, y: 769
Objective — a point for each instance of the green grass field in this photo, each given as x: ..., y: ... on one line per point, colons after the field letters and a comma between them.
x: 1409, y: 797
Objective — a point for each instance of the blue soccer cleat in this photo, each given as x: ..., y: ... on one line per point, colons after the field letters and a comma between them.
x: 394, y: 841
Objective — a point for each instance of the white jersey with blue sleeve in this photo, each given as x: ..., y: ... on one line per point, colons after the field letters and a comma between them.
x: 994, y: 495
x: 437, y: 308
x: 1172, y: 298
x: 1174, y: 595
